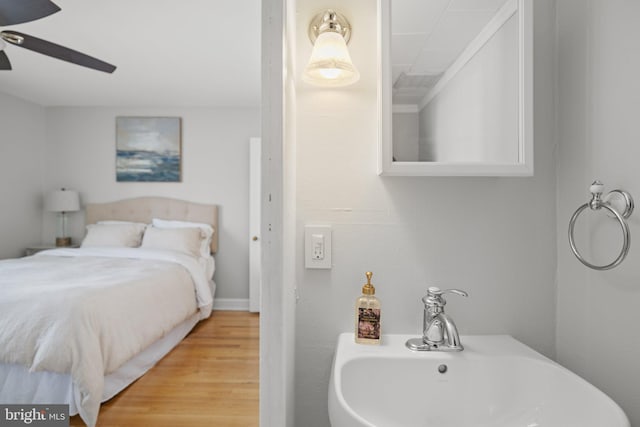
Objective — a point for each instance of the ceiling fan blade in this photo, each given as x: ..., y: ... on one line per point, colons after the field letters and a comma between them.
x: 14, y: 12
x: 5, y: 64
x: 56, y: 51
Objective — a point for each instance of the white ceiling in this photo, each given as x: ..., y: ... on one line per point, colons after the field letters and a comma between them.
x: 427, y: 36
x: 168, y: 53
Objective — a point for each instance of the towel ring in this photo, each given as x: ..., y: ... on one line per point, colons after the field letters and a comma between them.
x: 613, y: 201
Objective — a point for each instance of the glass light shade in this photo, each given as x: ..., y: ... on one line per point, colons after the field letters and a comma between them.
x: 62, y: 201
x: 330, y: 63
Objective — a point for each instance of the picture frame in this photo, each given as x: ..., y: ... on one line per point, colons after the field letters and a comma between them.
x: 148, y: 149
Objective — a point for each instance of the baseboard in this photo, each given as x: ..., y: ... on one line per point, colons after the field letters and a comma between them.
x: 231, y: 304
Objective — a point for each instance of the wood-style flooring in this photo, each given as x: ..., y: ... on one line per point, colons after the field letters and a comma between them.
x: 210, y: 379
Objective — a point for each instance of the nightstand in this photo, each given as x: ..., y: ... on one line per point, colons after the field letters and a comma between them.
x: 37, y: 248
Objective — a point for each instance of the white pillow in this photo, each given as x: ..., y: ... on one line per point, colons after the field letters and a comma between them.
x: 187, y: 240
x: 113, y: 235
x: 205, y: 249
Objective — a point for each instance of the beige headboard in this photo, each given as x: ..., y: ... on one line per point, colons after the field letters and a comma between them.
x: 144, y: 209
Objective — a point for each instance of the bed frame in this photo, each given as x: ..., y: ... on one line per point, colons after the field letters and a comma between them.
x: 144, y: 209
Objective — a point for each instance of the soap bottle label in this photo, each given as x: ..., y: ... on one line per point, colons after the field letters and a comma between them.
x: 369, y: 323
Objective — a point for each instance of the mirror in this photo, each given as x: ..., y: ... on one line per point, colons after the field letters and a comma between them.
x: 456, y: 87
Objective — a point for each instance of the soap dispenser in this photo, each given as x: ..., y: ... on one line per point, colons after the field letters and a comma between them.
x: 368, y: 315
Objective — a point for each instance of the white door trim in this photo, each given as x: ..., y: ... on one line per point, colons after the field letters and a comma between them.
x: 255, y: 241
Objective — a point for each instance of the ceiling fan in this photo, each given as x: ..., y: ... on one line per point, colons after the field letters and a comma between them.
x: 14, y: 12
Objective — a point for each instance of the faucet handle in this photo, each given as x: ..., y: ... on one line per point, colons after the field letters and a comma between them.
x: 434, y: 295
x: 435, y: 291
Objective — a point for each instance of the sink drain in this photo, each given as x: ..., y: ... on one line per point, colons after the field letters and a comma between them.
x: 442, y: 369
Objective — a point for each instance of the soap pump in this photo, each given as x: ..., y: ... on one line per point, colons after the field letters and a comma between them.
x: 368, y: 315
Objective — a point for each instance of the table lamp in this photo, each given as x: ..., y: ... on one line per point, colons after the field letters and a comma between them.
x: 62, y: 201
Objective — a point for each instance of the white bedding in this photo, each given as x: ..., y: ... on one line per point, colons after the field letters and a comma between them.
x: 19, y: 386
x: 87, y: 311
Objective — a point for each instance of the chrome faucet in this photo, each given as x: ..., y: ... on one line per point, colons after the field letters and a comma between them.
x: 439, y: 332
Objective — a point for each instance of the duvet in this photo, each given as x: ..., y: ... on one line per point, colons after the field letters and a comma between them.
x: 85, y: 312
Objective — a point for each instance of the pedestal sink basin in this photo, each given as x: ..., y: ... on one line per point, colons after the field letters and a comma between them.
x: 495, y: 382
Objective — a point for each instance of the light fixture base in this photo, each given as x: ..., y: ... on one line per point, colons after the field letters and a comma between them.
x: 329, y: 20
x: 63, y: 242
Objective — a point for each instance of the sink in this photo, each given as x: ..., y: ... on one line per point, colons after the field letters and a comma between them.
x: 495, y: 382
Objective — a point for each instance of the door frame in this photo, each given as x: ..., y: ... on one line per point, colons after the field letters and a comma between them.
x: 255, y: 219
x: 277, y: 319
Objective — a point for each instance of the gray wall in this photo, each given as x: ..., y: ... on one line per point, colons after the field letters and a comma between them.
x: 494, y: 237
x: 43, y: 149
x: 215, y: 169
x: 22, y: 139
x: 405, y: 136
x: 599, y: 101
x: 474, y: 117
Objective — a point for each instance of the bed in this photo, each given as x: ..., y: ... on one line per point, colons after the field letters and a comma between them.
x: 77, y: 326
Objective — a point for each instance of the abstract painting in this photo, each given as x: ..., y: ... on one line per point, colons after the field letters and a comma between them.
x: 148, y: 149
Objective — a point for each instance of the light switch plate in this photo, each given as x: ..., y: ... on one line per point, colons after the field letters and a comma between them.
x: 317, y: 246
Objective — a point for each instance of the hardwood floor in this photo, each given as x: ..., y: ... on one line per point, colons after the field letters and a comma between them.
x: 210, y: 379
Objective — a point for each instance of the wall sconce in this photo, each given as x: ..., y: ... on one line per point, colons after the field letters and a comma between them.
x: 330, y: 63
x: 62, y: 201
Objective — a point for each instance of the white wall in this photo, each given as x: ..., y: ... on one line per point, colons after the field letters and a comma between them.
x: 494, y: 237
x: 405, y: 136
x: 599, y: 101
x: 277, y: 324
x: 80, y: 155
x: 22, y: 140
x: 474, y: 117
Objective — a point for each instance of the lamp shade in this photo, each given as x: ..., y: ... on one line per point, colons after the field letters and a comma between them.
x: 330, y: 63
x: 62, y: 201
